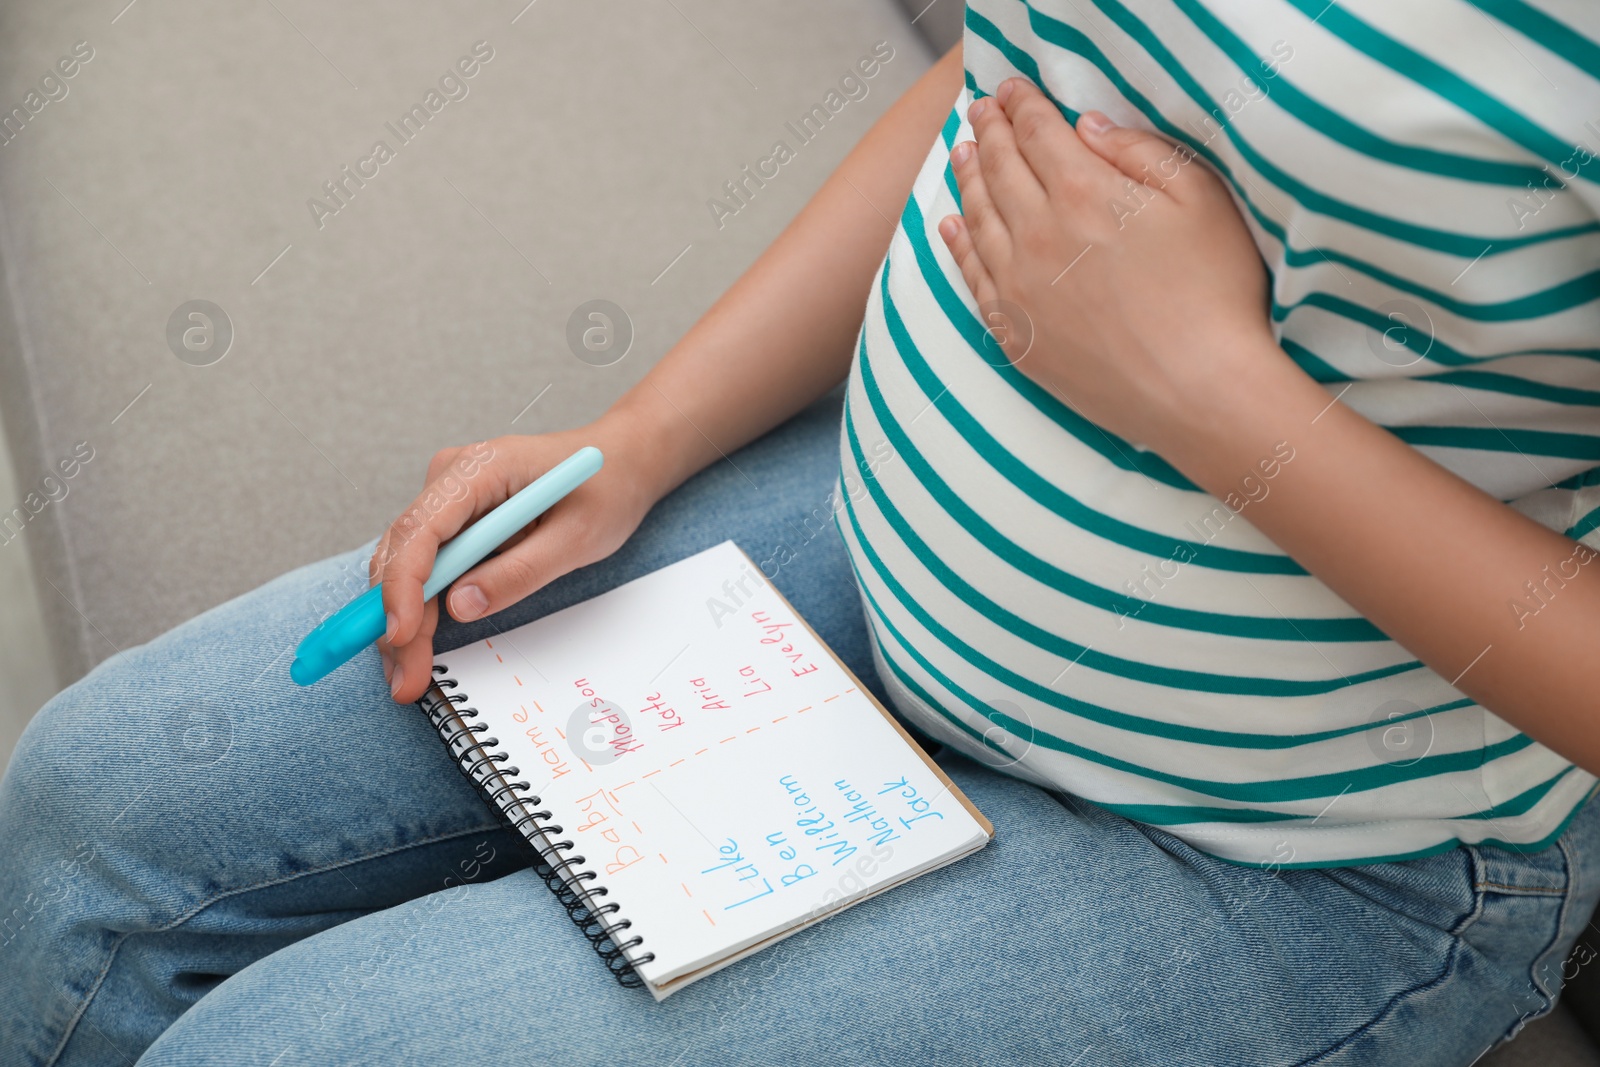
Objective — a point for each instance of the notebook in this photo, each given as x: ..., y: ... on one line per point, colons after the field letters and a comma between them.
x: 697, y: 774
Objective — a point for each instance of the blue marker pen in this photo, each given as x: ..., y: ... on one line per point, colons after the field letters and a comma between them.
x: 359, y: 623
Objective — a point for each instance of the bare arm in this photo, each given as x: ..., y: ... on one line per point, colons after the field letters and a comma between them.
x: 778, y: 339
x: 1436, y: 563
x: 784, y: 333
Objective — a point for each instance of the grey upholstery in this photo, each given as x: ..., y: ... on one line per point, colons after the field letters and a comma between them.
x: 431, y: 309
x: 177, y: 163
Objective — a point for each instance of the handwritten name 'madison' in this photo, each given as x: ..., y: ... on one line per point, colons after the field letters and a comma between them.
x: 453, y: 86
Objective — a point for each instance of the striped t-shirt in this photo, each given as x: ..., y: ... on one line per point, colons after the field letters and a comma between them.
x: 1420, y: 179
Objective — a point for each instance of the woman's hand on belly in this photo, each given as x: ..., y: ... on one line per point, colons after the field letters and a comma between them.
x: 1144, y: 300
x: 1111, y: 265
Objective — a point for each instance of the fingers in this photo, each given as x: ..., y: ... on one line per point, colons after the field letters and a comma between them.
x: 1012, y: 186
x: 409, y: 667
x: 441, y: 462
x: 409, y: 549
x: 990, y: 239
x: 456, y: 484
x: 1140, y: 155
x: 549, y: 551
x: 380, y: 552
x: 959, y: 240
x: 1052, y: 149
x: 449, y: 502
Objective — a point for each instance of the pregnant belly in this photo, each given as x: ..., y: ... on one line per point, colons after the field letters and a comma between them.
x: 1034, y: 556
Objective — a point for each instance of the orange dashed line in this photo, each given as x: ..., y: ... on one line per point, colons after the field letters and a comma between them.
x: 702, y: 752
x: 675, y: 762
x: 640, y: 830
x: 752, y: 729
x: 499, y: 658
x: 539, y: 706
x: 835, y: 696
x: 519, y: 682
x: 780, y: 718
x: 626, y: 784
x: 852, y: 689
x: 707, y: 914
x: 725, y: 740
x: 487, y: 643
x: 647, y: 774
x: 804, y: 709
x: 585, y: 764
x: 559, y: 731
x: 686, y: 889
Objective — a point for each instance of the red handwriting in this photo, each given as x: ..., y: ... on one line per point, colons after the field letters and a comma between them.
x: 709, y: 700
x: 668, y: 718
x: 775, y: 634
x: 751, y: 678
x: 606, y: 714
x: 599, y: 808
x: 547, y: 752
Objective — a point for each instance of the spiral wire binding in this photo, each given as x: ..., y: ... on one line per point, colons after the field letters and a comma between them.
x: 573, y: 887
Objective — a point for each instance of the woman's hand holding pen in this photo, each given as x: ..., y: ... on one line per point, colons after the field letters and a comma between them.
x: 465, y: 483
x: 703, y: 400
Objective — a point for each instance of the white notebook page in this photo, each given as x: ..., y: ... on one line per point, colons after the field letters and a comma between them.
x: 713, y: 762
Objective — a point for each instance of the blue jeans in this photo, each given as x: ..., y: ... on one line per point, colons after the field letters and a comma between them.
x: 205, y: 864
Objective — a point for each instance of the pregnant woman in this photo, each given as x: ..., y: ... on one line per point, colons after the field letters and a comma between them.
x: 1209, y: 489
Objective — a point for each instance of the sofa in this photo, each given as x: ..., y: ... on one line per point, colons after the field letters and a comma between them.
x: 259, y: 267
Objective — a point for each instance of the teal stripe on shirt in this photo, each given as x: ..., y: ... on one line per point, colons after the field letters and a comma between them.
x: 1275, y: 628
x: 1276, y: 791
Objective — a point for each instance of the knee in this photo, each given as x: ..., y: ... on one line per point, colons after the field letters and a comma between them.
x: 79, y: 755
x: 47, y: 838
x: 160, y: 716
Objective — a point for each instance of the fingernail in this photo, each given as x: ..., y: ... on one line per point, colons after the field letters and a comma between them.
x: 959, y: 154
x: 979, y: 106
x: 392, y: 628
x: 1095, y: 122
x: 1003, y: 93
x: 468, y: 602
x: 947, y: 227
x: 395, y: 679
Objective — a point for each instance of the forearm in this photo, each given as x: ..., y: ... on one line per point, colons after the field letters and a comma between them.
x: 1431, y: 560
x: 783, y: 334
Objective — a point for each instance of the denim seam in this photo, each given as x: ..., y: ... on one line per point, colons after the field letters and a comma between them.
x: 1536, y: 964
x: 1524, y: 890
x: 1404, y: 994
x: 111, y: 956
x: 1563, y: 916
x: 1472, y: 914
